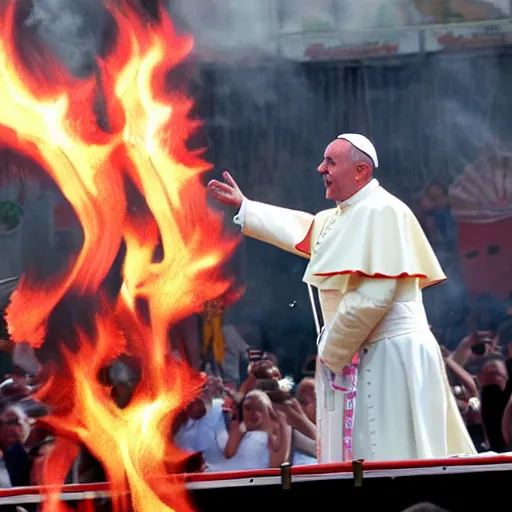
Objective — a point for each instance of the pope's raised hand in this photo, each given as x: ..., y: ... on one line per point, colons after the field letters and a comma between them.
x: 226, y: 192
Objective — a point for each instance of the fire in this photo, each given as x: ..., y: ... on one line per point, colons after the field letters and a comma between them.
x: 53, y: 122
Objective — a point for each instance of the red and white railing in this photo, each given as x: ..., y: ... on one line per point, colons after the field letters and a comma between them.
x: 284, y: 476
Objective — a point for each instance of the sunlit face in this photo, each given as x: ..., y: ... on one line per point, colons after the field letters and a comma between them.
x: 342, y: 176
x: 254, y: 413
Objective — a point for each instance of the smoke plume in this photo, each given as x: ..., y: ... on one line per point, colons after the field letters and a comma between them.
x: 268, y: 115
x: 74, y: 31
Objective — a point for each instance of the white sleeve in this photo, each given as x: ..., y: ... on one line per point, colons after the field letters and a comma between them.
x: 359, y: 312
x: 282, y: 227
x: 239, y: 218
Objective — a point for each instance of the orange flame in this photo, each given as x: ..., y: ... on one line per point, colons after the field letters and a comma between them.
x: 53, y: 122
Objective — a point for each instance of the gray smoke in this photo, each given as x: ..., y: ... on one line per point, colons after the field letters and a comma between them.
x: 73, y: 30
x: 474, y: 109
x: 429, y: 117
x: 268, y: 118
x: 227, y: 24
x: 253, y: 72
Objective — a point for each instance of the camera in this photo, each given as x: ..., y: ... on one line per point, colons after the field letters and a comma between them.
x: 256, y: 355
x: 273, y: 391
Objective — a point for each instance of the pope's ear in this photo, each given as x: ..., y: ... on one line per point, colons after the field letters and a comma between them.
x: 364, y: 169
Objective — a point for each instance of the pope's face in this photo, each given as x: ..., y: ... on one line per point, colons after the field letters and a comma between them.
x: 342, y: 176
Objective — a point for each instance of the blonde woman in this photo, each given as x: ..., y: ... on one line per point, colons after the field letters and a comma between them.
x: 259, y: 439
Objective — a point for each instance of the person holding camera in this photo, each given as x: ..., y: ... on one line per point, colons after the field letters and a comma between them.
x: 261, y: 367
x: 200, y: 426
x: 259, y: 436
x: 303, y: 447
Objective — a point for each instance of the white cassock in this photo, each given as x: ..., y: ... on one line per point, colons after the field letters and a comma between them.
x: 370, y: 259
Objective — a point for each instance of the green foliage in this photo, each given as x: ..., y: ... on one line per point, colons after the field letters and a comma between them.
x: 10, y: 214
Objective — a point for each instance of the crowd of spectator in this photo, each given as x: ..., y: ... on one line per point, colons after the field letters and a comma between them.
x: 262, y: 421
x: 237, y: 429
x: 260, y: 424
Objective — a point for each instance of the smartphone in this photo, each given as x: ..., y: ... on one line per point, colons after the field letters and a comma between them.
x: 271, y: 388
x: 255, y: 355
x: 484, y: 342
x: 479, y: 349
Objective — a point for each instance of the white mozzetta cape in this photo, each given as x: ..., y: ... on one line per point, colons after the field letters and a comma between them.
x: 373, y: 234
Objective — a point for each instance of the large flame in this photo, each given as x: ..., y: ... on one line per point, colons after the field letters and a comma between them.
x: 53, y: 122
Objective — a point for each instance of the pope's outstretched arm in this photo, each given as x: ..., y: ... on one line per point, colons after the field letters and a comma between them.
x: 281, y: 227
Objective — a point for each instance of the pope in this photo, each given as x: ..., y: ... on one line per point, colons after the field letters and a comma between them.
x: 382, y: 391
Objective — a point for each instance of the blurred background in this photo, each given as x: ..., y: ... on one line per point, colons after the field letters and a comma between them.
x: 274, y: 82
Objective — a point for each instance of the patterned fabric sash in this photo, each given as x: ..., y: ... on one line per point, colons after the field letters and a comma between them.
x: 347, y: 384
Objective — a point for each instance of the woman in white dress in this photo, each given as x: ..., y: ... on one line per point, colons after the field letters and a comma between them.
x: 260, y: 439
